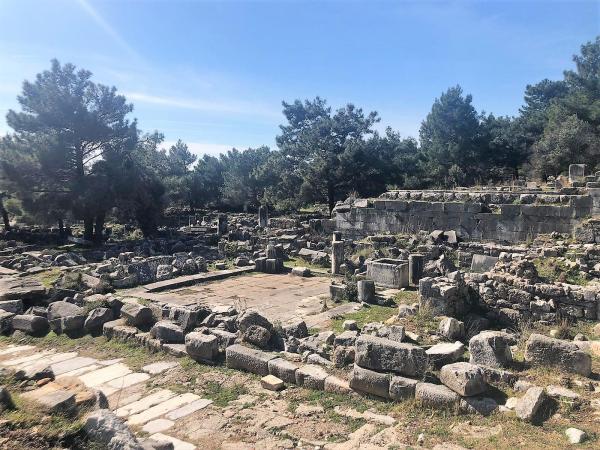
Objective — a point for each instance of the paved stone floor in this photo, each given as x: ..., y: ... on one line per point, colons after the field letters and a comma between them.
x: 154, y: 411
x: 278, y: 297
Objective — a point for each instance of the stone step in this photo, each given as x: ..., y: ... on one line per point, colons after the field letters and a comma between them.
x: 16, y: 349
x: 162, y: 408
x: 190, y: 280
x: 71, y: 364
x: 101, y: 376
x: 145, y: 403
x: 25, y: 359
x: 128, y: 380
x: 188, y: 409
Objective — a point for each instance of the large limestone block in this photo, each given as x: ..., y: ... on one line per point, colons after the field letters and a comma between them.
x: 386, y: 355
x: 530, y: 407
x: 491, y: 348
x: 371, y: 382
x: 436, y: 396
x: 463, y: 378
x: 244, y: 358
x: 546, y: 351
x: 202, y: 347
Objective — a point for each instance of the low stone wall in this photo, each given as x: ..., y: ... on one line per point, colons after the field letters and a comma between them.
x: 507, y: 217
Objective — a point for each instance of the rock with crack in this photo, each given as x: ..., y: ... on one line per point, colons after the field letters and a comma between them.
x: 491, y: 348
x: 463, y: 378
x: 546, y: 351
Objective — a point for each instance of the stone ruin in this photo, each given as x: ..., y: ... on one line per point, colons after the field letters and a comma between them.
x: 475, y: 257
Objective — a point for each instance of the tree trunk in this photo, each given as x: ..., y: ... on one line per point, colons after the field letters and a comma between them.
x: 330, y: 198
x: 5, y: 217
x: 99, y: 230
x: 88, y: 228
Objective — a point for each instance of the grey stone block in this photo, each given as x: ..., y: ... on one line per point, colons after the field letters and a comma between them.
x: 30, y: 324
x: 370, y: 382
x: 311, y: 377
x: 436, y: 396
x: 167, y: 332
x: 491, y: 348
x: 463, y: 378
x: 202, y: 347
x: 255, y: 361
x: 402, y: 388
x: 283, y: 369
x: 542, y: 350
x: 386, y: 355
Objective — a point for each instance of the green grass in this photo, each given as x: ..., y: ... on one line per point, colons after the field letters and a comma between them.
x: 299, y: 262
x: 552, y: 269
x: 49, y: 277
x: 365, y: 315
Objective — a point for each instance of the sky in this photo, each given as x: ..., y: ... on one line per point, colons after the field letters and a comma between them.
x: 214, y: 73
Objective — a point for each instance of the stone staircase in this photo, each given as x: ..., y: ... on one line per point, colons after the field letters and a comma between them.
x: 153, y: 411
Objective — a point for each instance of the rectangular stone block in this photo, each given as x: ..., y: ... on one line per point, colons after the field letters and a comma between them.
x: 382, y: 354
x: 283, y: 369
x: 244, y: 358
x: 311, y: 377
x: 370, y: 381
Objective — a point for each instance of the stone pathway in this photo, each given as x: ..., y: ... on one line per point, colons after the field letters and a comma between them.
x: 152, y: 411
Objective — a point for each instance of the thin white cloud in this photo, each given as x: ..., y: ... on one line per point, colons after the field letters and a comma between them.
x: 203, y: 105
x: 108, y: 29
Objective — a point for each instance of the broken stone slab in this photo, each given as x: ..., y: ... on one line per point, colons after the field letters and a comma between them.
x: 244, y: 358
x: 463, y: 378
x: 382, y: 354
x: 370, y: 382
x: 546, y: 351
x: 345, y: 339
x: 137, y: 315
x: 257, y: 335
x: 105, y: 428
x: 478, y: 405
x: 30, y: 324
x: 96, y: 318
x: 491, y: 348
x: 295, y: 328
x: 188, y: 409
x: 202, y: 347
x: 224, y: 338
x: 272, y: 383
x: 36, y: 371
x: 562, y: 393
x: 167, y: 332
x: 249, y: 317
x: 436, y: 396
x: 6, y: 321
x: 159, y: 367
x: 483, y: 263
x: 402, y: 388
x: 311, y: 377
x: 12, y: 306
x: 445, y: 353
x: 17, y: 288
x: 451, y: 329
x: 530, y: 407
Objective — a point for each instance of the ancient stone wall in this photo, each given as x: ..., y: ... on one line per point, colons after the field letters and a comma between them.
x: 500, y: 216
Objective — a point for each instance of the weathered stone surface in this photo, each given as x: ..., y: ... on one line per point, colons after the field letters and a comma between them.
x: 137, y: 315
x: 402, y: 388
x: 30, y: 324
x: 202, y: 347
x: 296, y: 328
x: 301, y: 271
x: 18, y: 288
x: 65, y: 317
x: 336, y: 385
x: 249, y: 318
x: 575, y: 436
x: 366, y: 291
x: 436, y: 396
x: 345, y: 339
x: 371, y: 382
x: 239, y: 357
x: 445, y: 353
x: 530, y: 407
x: 96, y: 318
x: 6, y: 401
x: 478, y: 405
x: 463, y: 378
x: 167, y: 332
x: 105, y: 428
x: 483, y: 263
x: 386, y: 355
x: 283, y: 369
x: 6, y: 322
x: 567, y: 356
x: 451, y: 329
x: 272, y: 383
x: 36, y: 371
x: 491, y: 348
x: 257, y: 335
x: 12, y: 306
x: 311, y: 376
